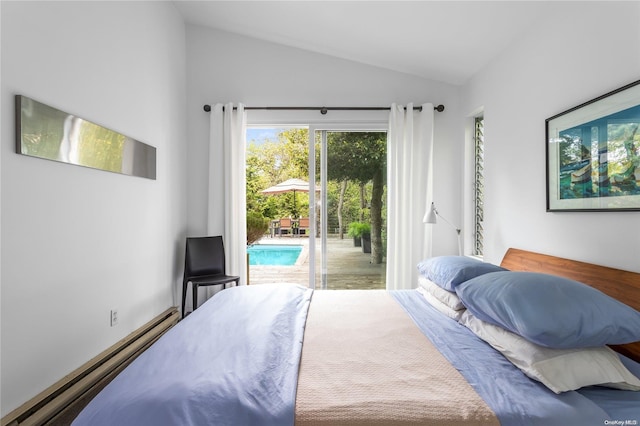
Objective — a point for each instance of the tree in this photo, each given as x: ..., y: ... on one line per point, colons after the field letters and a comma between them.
x: 361, y: 157
x: 343, y: 190
x: 295, y: 153
x: 257, y: 225
x: 272, y: 162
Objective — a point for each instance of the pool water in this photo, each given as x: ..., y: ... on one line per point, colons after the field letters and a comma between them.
x: 281, y: 255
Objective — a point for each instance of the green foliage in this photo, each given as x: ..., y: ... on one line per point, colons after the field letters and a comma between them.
x: 295, y: 162
x: 257, y: 226
x: 358, y: 229
x: 356, y: 156
x: 273, y: 162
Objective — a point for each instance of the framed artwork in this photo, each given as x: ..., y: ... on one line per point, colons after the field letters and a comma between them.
x: 593, y: 154
x: 46, y: 132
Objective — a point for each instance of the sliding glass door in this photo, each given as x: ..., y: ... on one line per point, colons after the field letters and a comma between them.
x: 316, y: 206
x: 348, y: 166
x: 278, y: 224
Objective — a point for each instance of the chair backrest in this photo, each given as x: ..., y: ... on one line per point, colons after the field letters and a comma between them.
x: 285, y: 223
x: 304, y: 222
x: 204, y: 256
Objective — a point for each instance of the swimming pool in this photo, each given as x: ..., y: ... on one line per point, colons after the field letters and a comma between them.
x: 272, y: 254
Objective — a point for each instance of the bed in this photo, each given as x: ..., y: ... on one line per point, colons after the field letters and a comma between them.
x: 283, y: 355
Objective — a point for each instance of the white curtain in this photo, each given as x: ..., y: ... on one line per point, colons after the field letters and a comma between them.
x: 409, y: 181
x: 227, y: 130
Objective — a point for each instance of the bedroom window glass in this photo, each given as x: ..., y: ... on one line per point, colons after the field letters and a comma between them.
x: 350, y: 171
x: 478, y: 187
x: 317, y: 233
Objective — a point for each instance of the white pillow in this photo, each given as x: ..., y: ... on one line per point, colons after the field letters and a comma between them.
x: 449, y: 298
x: 440, y: 306
x: 560, y: 370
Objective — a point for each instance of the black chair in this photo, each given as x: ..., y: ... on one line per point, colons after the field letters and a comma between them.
x: 204, y: 265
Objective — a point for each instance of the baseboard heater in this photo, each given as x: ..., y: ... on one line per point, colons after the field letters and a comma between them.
x: 60, y: 402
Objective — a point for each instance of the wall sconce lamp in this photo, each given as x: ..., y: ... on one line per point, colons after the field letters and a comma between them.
x: 431, y: 217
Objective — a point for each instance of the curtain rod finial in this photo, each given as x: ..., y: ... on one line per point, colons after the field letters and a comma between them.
x: 439, y: 108
x: 207, y: 108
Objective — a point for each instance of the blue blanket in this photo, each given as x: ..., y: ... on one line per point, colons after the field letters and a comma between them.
x: 233, y: 361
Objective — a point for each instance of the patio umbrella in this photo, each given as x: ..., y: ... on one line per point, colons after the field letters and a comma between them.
x: 290, y: 185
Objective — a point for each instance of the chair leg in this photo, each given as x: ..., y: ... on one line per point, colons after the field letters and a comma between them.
x: 194, y: 290
x: 184, y: 295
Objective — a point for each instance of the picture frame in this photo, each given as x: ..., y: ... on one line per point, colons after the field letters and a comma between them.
x: 593, y: 154
x: 43, y: 131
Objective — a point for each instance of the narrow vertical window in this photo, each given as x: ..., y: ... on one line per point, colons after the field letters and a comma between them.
x: 478, y: 193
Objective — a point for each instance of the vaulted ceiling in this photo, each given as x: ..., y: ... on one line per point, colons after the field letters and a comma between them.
x: 447, y: 41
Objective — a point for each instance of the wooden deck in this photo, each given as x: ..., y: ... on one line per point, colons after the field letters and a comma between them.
x: 347, y: 266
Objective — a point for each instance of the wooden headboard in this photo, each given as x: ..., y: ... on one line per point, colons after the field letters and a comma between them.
x: 621, y: 285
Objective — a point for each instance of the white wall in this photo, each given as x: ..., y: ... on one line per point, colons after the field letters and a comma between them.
x: 570, y: 58
x: 223, y: 67
x: 79, y: 242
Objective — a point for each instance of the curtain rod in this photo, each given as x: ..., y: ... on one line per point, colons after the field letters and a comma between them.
x: 323, y: 110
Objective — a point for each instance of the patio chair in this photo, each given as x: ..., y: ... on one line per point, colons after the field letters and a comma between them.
x: 274, y: 227
x: 285, y: 225
x: 303, y: 226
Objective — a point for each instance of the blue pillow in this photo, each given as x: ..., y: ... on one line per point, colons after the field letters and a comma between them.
x: 549, y: 310
x: 449, y: 271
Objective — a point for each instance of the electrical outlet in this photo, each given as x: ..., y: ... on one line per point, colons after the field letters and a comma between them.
x: 114, y: 317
